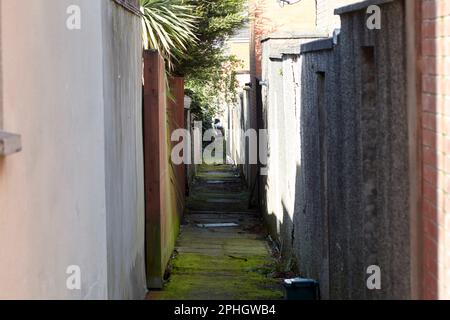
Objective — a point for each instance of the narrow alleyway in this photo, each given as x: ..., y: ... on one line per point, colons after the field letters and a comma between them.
x: 222, y: 262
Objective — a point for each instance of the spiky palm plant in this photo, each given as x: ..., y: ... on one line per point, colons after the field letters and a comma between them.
x: 169, y: 27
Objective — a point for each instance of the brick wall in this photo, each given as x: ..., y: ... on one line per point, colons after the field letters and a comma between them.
x: 436, y: 147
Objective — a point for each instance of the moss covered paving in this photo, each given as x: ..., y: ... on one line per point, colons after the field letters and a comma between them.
x: 204, y: 277
x: 221, y: 263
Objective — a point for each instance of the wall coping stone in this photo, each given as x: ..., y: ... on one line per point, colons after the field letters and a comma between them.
x: 278, y: 46
x: 317, y: 45
x: 294, y: 36
x: 359, y: 6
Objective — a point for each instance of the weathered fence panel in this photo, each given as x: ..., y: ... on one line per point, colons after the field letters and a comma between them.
x: 164, y: 182
x: 175, y: 108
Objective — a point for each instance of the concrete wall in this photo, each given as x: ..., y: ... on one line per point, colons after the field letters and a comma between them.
x: 373, y: 162
x: 63, y: 94
x: 337, y: 189
x: 281, y: 117
x: 122, y: 92
x: 318, y: 183
x: 315, y: 178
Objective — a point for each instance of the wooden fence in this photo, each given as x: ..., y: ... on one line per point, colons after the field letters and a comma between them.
x: 164, y: 182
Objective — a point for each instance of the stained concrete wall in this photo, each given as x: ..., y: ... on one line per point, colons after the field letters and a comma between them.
x: 122, y: 92
x: 317, y: 174
x: 370, y: 217
x: 281, y: 118
x: 341, y: 203
x: 72, y: 96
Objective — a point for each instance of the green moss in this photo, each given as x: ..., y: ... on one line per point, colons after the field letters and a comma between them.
x: 197, y: 276
x: 233, y: 265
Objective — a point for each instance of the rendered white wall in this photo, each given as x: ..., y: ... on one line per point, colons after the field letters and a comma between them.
x: 122, y: 61
x: 74, y: 195
x: 52, y: 195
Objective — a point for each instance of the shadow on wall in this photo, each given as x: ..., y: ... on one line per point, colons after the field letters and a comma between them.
x: 302, y: 247
x: 284, y: 233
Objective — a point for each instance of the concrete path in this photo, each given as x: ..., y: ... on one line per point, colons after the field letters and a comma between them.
x: 221, y: 262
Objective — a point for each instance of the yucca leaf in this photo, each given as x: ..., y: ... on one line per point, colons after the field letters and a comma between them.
x: 169, y: 27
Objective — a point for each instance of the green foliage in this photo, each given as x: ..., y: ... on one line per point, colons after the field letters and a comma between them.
x: 168, y: 26
x: 190, y: 35
x: 209, y: 89
x: 216, y: 21
x: 209, y: 71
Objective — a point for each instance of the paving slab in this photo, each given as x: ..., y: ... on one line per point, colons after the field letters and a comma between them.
x: 232, y: 263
